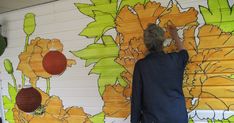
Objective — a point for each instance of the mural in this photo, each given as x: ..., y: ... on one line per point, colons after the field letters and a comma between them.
x: 208, y: 79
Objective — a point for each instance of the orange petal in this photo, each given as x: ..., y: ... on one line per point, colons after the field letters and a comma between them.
x: 115, y: 103
x: 70, y: 62
x: 174, y: 16
x: 212, y: 37
x: 76, y: 115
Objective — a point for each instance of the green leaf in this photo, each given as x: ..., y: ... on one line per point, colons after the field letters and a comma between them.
x: 109, y: 72
x: 94, y: 52
x: 106, y: 6
x: 11, y: 121
x: 104, y: 56
x: 231, y: 118
x: 7, y: 103
x: 90, y: 61
x: 131, y: 3
x: 219, y: 13
x: 6, y: 100
x: 98, y: 118
x: 225, y: 121
x: 103, y: 22
x: 209, y: 121
x: 121, y: 81
x: 9, y: 106
x: 191, y: 120
x: 9, y: 116
x: 217, y: 121
x: 12, y: 92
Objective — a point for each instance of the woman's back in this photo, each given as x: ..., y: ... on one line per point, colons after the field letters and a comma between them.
x: 161, y: 77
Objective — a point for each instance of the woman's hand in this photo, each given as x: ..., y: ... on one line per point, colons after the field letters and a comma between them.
x: 173, y: 32
x: 174, y: 35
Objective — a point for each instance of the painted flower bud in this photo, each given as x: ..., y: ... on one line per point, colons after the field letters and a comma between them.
x: 8, y: 66
x: 29, y: 23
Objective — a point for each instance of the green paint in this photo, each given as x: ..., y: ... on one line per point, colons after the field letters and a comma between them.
x: 9, y: 68
x: 191, y: 120
x: 14, y: 81
x: 109, y: 72
x: 98, y: 118
x: 29, y: 27
x: 40, y: 110
x: 231, y: 118
x: 9, y: 103
x: 26, y: 42
x: 225, y: 121
x: 219, y: 13
x: 105, y: 6
x: 209, y: 121
x: 9, y: 115
x: 121, y: 81
x: 94, y: 52
x: 23, y: 79
x: 104, y: 13
x: 232, y: 76
x: 104, y: 56
x: 218, y: 121
x: 103, y: 22
x: 29, y: 23
x: 48, y: 86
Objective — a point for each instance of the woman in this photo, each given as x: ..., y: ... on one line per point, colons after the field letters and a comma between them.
x: 157, y: 95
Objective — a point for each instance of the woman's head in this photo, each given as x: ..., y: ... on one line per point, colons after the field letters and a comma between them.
x: 154, y: 38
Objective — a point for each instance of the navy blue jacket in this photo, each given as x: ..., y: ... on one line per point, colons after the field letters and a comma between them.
x: 157, y: 95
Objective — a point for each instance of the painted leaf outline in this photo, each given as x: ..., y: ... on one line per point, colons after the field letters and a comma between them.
x: 103, y: 22
x: 94, y: 52
x: 103, y: 55
x: 9, y: 103
x: 98, y: 118
x: 219, y: 13
x: 9, y: 116
x: 107, y: 6
x: 109, y: 72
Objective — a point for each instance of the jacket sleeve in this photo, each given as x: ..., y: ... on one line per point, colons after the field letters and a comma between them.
x: 136, y: 99
x: 183, y: 57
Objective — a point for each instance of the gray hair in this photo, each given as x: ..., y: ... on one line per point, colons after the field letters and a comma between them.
x: 154, y: 38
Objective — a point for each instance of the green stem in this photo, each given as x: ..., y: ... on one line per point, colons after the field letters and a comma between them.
x: 48, y: 86
x: 25, y: 49
x: 26, y: 42
x: 23, y: 79
x: 14, y: 80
